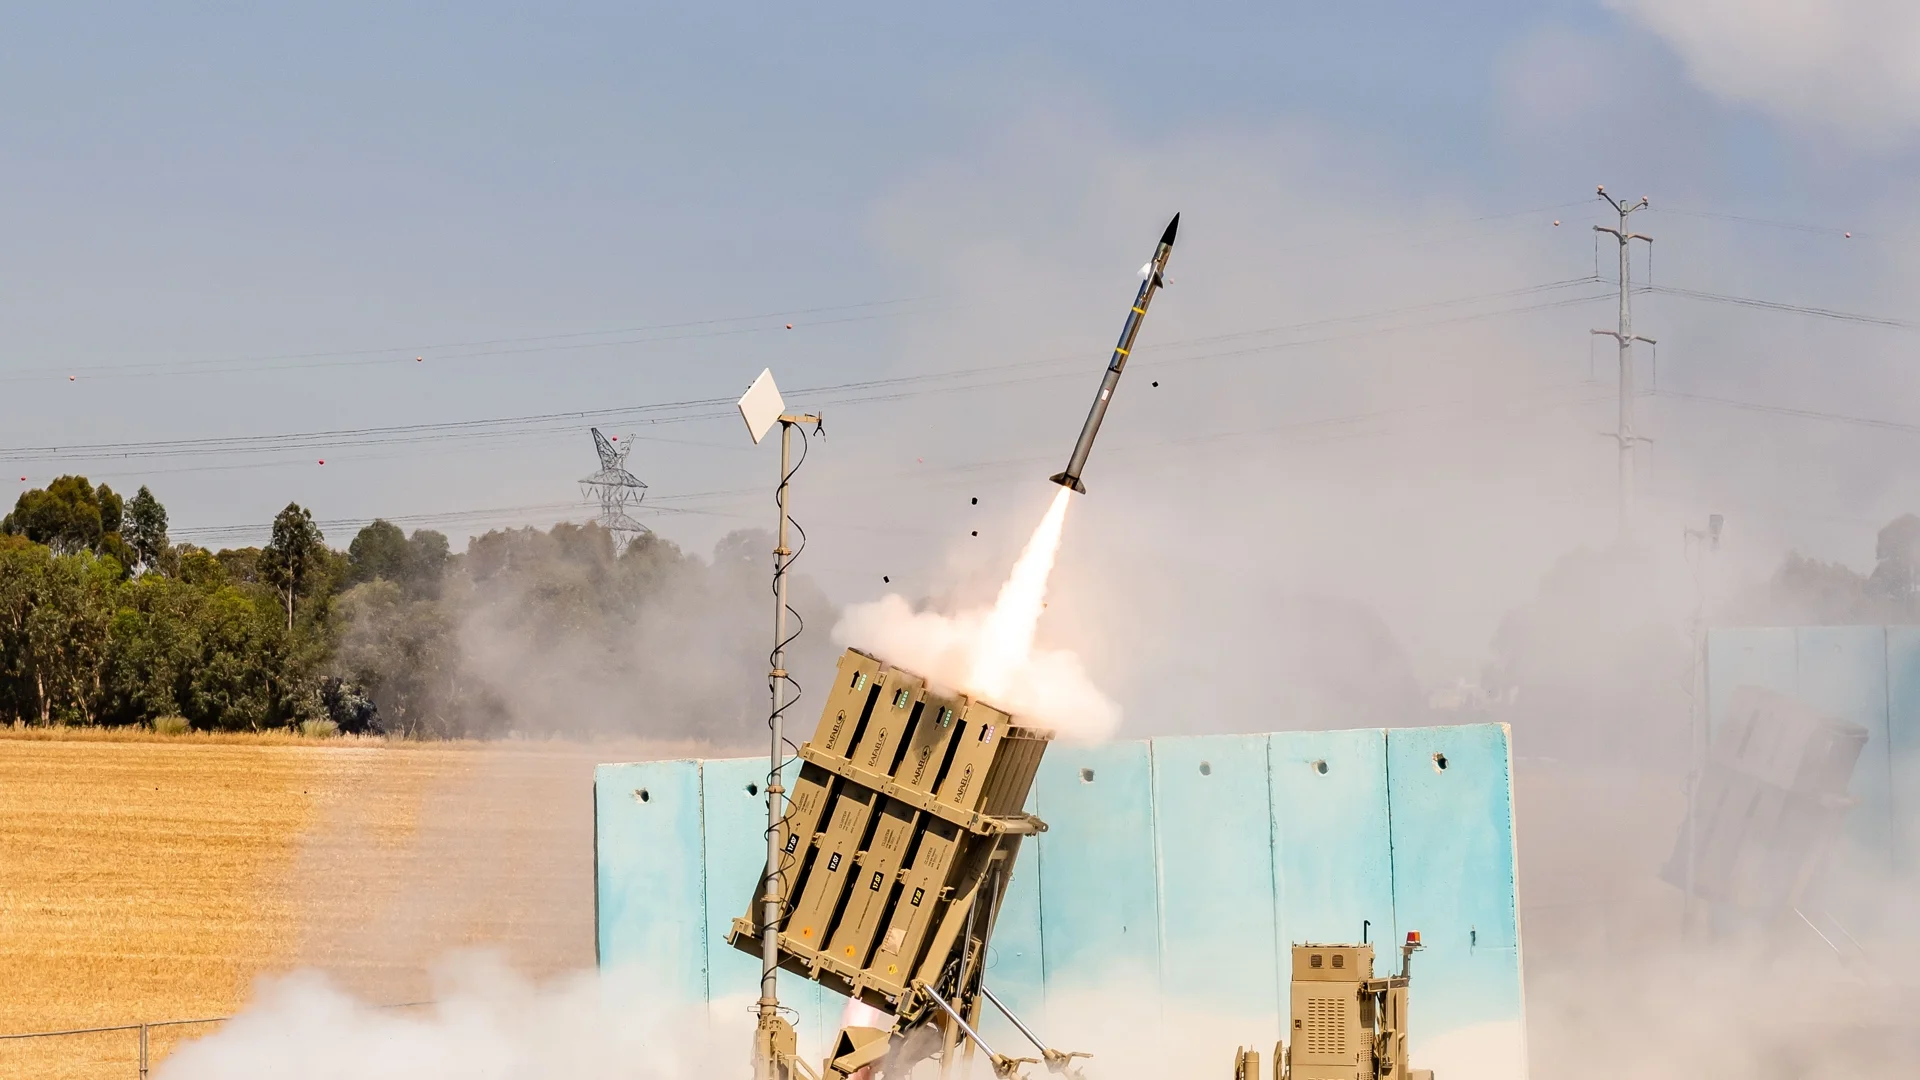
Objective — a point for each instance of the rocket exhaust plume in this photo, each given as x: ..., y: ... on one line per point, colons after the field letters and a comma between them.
x: 990, y: 652
x: 1006, y: 641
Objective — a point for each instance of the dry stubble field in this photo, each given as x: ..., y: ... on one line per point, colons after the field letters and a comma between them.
x: 157, y: 878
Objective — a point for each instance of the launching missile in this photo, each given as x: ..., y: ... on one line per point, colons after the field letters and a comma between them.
x: 1152, y: 277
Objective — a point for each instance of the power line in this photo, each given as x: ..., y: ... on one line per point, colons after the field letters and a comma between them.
x: 1333, y: 428
x: 1770, y: 223
x: 1436, y: 305
x: 1792, y: 411
x: 1346, y: 242
x: 541, y: 343
x: 542, y: 350
x: 404, y: 353
x: 693, y: 409
x: 1775, y: 305
x: 223, y: 367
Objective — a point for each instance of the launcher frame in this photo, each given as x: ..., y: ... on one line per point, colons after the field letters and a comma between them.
x: 900, y: 839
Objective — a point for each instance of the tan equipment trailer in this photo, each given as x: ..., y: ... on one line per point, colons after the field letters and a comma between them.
x: 1346, y: 1024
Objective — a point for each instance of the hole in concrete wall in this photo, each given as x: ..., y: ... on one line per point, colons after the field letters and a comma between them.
x: 753, y: 789
x: 640, y: 795
x: 1206, y: 768
x: 1320, y: 766
x: 1440, y: 762
x: 1086, y: 776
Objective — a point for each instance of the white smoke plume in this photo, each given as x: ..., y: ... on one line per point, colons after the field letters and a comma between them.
x: 486, y: 1023
x: 1837, y: 65
x: 1007, y: 638
x: 989, y: 652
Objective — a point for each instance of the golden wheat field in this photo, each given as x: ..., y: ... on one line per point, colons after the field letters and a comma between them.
x: 149, y: 879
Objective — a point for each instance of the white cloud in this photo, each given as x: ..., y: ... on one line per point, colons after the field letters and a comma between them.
x: 1846, y: 66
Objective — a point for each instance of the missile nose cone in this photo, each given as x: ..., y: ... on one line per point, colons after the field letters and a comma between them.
x: 1172, y: 227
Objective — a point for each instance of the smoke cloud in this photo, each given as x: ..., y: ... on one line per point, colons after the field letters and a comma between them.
x: 1844, y: 66
x: 1050, y: 689
x: 551, y: 633
x: 487, y: 1022
x: 989, y: 652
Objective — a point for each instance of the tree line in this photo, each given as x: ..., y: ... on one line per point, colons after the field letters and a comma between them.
x: 104, y: 620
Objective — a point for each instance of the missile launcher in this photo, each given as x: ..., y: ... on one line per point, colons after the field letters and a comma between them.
x: 898, y: 844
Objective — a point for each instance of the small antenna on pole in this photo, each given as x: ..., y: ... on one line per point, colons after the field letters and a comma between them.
x: 762, y: 407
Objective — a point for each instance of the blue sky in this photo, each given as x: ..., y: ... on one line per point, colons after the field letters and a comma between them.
x: 221, y: 221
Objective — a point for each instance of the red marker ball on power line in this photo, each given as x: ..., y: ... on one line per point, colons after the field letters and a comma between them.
x: 323, y: 461
x: 1847, y: 235
x: 789, y: 326
x: 419, y: 359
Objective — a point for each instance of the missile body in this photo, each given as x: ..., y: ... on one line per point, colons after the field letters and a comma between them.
x: 1152, y: 280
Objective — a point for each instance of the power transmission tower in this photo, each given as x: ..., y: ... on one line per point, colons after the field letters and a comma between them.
x: 616, y: 488
x: 1624, y: 436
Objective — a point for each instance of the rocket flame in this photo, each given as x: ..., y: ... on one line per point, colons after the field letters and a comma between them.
x: 1006, y: 641
x: 989, y: 652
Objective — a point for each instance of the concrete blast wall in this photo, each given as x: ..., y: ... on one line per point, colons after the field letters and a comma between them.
x: 1185, y: 865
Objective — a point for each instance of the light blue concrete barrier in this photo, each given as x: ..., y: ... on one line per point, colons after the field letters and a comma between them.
x: 1190, y: 865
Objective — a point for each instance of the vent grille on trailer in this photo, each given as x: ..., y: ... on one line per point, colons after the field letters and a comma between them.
x: 1326, y: 1025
